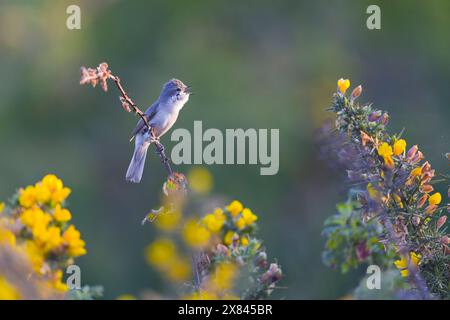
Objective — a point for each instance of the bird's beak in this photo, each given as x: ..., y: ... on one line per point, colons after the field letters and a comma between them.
x: 188, y: 90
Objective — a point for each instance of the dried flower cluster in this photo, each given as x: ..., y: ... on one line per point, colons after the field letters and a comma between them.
x: 36, y: 236
x: 393, y: 207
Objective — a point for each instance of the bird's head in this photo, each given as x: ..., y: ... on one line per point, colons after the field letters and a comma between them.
x: 175, y: 91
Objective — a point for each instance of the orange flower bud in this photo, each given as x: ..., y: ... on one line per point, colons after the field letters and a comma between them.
x: 356, y: 92
x: 426, y: 188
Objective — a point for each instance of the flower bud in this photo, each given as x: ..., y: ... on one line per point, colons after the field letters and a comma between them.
x: 384, y: 120
x: 272, y: 275
x: 445, y: 240
x: 426, y: 188
x: 412, y: 152
x: 426, y: 167
x: 356, y: 92
x: 441, y: 221
x: 261, y: 259
x: 374, y: 116
x: 417, y: 157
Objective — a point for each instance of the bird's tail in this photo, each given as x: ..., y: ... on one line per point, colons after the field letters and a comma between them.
x: 136, y: 167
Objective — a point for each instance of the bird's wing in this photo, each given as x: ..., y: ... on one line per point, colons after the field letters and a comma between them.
x: 150, y: 113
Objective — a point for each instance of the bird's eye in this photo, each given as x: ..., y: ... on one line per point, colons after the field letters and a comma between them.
x: 178, y: 89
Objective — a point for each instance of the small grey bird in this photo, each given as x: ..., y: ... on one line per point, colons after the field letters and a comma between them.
x: 161, y: 116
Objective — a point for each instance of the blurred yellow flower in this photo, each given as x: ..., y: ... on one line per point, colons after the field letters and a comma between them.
x: 55, y: 186
x: 402, y: 264
x: 373, y: 193
x: 35, y: 219
x: 435, y: 199
x: 35, y: 255
x: 179, y: 270
x: 27, y: 197
x: 240, y: 223
x: 195, y: 235
x: 7, y: 237
x: 399, y: 147
x: 61, y: 214
x: 2, y: 206
x: 244, y: 241
x: 57, y: 283
x: 416, y: 172
x: 200, y: 180
x: 228, y: 238
x: 42, y: 193
x: 203, y: 295
x: 7, y: 290
x: 343, y: 85
x: 249, y: 216
x: 126, y: 297
x: 53, y: 238
x: 235, y: 207
x: 168, y: 220
x: 161, y: 252
x: 74, y: 242
x: 224, y: 275
x: 214, y: 221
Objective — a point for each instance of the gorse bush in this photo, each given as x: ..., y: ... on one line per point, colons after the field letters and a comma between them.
x: 37, y: 241
x: 393, y: 217
x: 214, y: 256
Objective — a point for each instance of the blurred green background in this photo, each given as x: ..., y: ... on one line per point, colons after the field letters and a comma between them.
x: 252, y: 64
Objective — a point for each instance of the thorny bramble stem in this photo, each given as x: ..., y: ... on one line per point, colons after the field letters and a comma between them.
x: 101, y: 74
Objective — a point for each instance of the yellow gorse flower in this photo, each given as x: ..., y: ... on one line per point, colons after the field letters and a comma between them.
x: 403, y: 263
x: 416, y: 172
x: 168, y: 220
x: 228, y: 238
x: 235, y: 207
x: 435, y: 199
x: 214, y: 221
x: 249, y: 216
x: 343, y: 85
x: 7, y: 290
x: 195, y: 235
x: 200, y: 180
x: 224, y: 276
x: 2, y: 207
x: 74, y: 242
x: 161, y: 252
x: 399, y: 147
x: 50, y: 190
x: 163, y: 255
x: 61, y: 214
x: 7, y: 237
x: 385, y: 151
